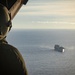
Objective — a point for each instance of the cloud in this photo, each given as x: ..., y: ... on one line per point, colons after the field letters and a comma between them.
x: 55, y: 22
x: 53, y: 8
x: 45, y: 15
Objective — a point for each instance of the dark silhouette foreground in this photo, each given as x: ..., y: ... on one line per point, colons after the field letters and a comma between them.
x: 11, y: 61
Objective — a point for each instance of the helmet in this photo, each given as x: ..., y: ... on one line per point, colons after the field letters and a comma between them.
x: 5, y: 21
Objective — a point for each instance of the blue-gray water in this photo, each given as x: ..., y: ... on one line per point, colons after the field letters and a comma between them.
x: 36, y: 47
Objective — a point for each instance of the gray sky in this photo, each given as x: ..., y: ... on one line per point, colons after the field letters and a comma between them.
x: 46, y: 14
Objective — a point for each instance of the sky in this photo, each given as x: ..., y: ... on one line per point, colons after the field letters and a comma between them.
x: 46, y: 14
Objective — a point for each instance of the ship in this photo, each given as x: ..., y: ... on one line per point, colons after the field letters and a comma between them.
x: 59, y: 48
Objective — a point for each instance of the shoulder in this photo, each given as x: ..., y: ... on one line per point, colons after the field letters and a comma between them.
x: 8, y: 47
x: 11, y: 53
x: 10, y: 50
x: 12, y: 59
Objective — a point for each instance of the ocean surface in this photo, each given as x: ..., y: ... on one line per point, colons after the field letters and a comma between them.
x: 37, y: 49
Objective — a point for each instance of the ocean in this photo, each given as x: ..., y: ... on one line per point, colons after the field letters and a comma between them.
x: 37, y: 49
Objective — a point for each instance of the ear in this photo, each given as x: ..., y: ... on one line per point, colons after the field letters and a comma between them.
x: 9, y: 24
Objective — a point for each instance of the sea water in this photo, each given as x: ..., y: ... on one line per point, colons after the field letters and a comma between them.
x: 37, y: 49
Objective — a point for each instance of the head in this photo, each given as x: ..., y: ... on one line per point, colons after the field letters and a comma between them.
x: 5, y: 22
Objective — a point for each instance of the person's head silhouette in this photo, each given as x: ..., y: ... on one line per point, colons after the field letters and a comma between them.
x: 5, y: 21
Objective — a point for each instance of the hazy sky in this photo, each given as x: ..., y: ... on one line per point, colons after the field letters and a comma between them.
x: 46, y: 14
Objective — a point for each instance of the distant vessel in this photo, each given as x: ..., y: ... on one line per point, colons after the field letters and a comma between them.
x: 58, y: 48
